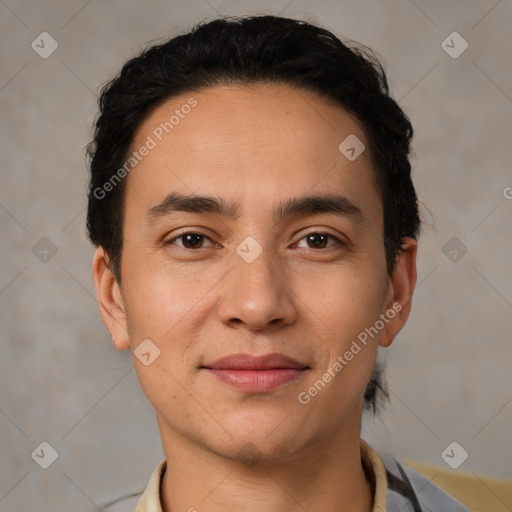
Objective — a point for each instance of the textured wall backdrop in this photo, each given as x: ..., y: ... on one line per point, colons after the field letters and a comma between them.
x: 63, y: 383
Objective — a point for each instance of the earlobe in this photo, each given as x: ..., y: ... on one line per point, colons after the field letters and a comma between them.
x: 110, y: 300
x: 400, y: 291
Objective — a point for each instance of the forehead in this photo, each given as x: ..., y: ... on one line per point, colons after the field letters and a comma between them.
x: 250, y: 144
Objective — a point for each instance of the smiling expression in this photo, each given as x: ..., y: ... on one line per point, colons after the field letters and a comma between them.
x: 247, y: 232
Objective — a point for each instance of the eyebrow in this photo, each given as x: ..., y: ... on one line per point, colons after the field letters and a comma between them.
x: 298, y: 206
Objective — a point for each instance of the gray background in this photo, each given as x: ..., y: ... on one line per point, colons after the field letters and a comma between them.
x: 61, y: 379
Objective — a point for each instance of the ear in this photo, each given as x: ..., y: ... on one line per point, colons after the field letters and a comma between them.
x: 400, y: 290
x: 110, y: 300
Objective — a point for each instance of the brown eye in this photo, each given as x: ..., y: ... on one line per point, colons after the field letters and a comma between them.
x: 319, y: 241
x: 189, y: 240
x: 192, y: 241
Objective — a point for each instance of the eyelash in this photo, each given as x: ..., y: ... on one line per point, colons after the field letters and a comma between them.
x: 182, y: 235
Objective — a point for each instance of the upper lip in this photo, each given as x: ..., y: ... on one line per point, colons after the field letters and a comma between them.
x: 248, y: 362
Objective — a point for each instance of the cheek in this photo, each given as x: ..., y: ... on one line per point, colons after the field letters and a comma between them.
x: 159, y: 299
x: 167, y: 390
x: 346, y: 298
x: 159, y: 307
x: 349, y: 303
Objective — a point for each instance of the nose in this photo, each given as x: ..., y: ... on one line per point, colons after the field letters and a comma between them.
x: 256, y: 295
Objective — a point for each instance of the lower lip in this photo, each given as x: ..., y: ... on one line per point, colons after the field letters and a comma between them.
x: 257, y: 381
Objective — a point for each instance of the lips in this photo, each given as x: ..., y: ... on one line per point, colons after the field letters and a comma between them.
x: 248, y: 362
x: 256, y: 374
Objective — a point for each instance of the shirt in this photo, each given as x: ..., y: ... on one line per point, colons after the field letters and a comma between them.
x: 398, y: 488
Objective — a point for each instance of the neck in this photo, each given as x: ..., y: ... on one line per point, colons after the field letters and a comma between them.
x: 322, y: 476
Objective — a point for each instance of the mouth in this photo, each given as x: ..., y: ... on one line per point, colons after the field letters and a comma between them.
x: 256, y: 374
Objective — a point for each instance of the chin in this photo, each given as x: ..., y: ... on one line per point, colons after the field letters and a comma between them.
x: 252, y: 451
x: 254, y: 440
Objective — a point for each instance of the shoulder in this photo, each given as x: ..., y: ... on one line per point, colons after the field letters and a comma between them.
x: 408, y: 487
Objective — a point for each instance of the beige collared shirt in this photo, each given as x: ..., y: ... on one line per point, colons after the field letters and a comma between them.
x: 150, y: 499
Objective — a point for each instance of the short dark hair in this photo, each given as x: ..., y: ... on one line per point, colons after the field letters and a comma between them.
x: 251, y: 50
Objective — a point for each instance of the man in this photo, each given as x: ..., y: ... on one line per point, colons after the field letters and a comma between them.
x: 256, y: 230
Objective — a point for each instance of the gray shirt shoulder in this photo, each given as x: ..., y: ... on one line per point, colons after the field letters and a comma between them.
x: 410, y: 491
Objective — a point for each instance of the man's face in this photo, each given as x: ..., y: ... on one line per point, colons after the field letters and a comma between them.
x: 258, y: 278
